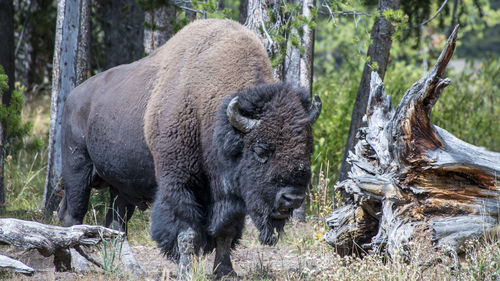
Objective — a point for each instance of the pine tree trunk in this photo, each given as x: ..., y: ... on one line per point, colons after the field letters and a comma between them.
x: 258, y: 21
x: 70, y: 68
x: 123, y: 32
x: 411, y: 179
x: 161, y: 20
x: 379, y: 50
x: 304, y: 73
x: 7, y: 62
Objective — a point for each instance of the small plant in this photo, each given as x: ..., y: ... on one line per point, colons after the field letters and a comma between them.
x: 110, y: 251
x: 320, y: 195
x: 199, y: 268
x: 261, y: 271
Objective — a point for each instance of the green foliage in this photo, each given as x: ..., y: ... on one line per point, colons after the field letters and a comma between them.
x: 110, y: 252
x: 469, y: 107
x: 14, y: 127
x: 285, y: 27
x: 24, y: 180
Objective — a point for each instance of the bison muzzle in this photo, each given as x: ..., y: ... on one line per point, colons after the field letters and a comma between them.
x: 201, y: 129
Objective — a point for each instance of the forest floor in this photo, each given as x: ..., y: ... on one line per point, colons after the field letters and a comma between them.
x: 298, y: 253
x: 301, y: 254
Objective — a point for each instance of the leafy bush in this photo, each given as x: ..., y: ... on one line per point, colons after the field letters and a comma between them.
x: 14, y: 127
x: 469, y: 107
x: 24, y: 164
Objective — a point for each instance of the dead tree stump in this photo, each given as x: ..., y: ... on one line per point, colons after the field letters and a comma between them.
x: 410, y: 177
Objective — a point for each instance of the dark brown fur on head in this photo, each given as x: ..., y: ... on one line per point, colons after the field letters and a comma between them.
x: 272, y: 156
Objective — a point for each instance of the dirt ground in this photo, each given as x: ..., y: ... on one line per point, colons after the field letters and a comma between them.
x: 292, y: 256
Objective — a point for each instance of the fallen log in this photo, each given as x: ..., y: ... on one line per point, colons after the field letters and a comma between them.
x: 411, y: 178
x: 12, y: 264
x: 55, y: 240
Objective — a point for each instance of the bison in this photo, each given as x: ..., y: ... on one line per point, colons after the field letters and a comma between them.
x: 200, y: 129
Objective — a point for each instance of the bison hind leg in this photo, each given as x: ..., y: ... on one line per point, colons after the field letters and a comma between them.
x: 120, y: 211
x: 77, y: 177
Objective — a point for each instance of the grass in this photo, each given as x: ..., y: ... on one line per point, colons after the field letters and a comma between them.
x: 301, y: 254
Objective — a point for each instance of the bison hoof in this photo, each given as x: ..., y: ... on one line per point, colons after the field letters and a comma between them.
x: 227, y: 273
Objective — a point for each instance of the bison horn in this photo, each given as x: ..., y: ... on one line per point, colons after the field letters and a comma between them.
x: 315, y: 109
x: 240, y: 122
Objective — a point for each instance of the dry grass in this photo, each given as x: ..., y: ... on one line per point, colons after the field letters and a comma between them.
x: 301, y: 254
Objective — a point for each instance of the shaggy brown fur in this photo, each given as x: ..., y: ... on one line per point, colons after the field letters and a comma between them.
x: 205, y: 62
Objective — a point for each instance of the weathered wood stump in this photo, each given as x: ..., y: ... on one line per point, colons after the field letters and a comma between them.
x: 411, y: 178
x: 53, y: 240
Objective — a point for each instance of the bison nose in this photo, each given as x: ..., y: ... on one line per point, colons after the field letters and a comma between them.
x: 290, y: 200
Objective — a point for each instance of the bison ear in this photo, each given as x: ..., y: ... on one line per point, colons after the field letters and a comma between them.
x: 315, y: 109
x: 238, y: 121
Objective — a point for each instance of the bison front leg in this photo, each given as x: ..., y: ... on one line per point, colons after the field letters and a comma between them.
x: 185, y: 242
x: 222, y: 264
x: 175, y: 224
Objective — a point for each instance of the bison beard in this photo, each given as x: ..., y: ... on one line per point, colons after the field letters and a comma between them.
x: 201, y: 129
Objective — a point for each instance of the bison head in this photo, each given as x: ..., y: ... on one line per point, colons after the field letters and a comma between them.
x: 264, y: 143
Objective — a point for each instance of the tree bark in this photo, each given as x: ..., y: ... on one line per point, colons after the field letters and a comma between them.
x: 17, y: 266
x: 379, y: 50
x: 123, y: 32
x: 161, y: 20
x: 70, y: 68
x: 410, y: 178
x: 258, y: 21
x: 242, y: 16
x: 299, y: 71
x: 55, y: 240
x: 7, y: 62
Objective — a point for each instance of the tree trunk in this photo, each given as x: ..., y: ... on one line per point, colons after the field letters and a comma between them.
x: 258, y: 21
x: 7, y: 62
x: 70, y: 68
x: 411, y: 179
x: 242, y: 16
x: 162, y: 29
x: 379, y: 50
x: 23, y: 50
x: 123, y: 32
x: 299, y: 71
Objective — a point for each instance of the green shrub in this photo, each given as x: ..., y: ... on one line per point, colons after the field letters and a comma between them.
x: 469, y: 107
x: 24, y: 162
x: 15, y: 129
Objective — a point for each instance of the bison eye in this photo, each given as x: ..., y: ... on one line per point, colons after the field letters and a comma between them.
x: 262, y: 152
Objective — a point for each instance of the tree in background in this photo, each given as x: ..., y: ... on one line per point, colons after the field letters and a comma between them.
x: 34, y: 33
x: 160, y: 16
x: 378, y: 52
x: 70, y: 68
x: 122, y: 23
x: 412, y: 18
